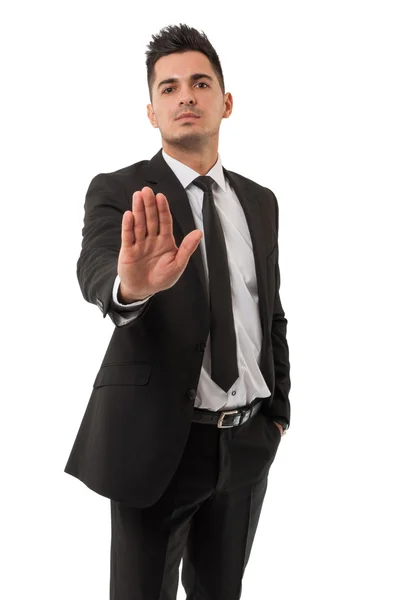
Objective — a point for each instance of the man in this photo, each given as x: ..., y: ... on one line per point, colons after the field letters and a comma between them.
x: 191, y: 399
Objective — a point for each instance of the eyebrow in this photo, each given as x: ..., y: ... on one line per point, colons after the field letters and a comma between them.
x: 193, y: 77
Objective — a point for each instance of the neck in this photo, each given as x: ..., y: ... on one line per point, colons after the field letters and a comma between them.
x: 200, y: 161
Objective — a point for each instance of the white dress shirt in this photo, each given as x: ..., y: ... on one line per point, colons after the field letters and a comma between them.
x: 250, y: 383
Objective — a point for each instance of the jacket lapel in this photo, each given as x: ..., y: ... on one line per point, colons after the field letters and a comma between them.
x: 162, y: 179
x: 261, y: 240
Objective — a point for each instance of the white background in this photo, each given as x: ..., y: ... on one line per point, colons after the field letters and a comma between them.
x: 315, y: 120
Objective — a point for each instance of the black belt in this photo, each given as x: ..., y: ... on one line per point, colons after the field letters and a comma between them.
x: 227, y: 418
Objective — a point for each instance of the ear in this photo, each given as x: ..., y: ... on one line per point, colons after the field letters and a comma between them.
x: 228, y: 105
x: 151, y: 116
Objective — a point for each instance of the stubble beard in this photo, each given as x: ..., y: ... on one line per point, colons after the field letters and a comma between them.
x: 190, y: 140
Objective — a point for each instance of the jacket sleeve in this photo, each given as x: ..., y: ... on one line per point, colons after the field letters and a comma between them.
x: 281, y: 404
x: 106, y: 202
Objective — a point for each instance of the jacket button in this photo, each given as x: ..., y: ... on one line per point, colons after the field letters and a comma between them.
x: 192, y: 394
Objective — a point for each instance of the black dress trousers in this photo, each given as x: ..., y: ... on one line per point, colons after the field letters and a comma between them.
x: 207, y: 517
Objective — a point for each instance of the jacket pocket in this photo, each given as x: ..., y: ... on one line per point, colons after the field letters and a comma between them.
x: 123, y: 374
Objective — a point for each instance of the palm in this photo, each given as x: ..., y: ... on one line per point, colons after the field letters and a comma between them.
x: 149, y: 260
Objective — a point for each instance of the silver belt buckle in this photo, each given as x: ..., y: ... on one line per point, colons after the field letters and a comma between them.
x: 220, y: 420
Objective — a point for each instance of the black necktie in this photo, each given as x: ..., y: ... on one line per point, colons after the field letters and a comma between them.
x: 224, y: 367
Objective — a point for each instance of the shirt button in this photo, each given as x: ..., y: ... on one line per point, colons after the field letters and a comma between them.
x: 233, y: 393
x: 192, y: 394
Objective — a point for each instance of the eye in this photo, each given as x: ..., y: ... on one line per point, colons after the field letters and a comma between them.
x: 165, y: 91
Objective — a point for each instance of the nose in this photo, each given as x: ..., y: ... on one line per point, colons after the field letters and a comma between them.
x: 186, y: 96
x: 191, y: 101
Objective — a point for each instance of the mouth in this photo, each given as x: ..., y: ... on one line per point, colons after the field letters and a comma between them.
x: 186, y: 117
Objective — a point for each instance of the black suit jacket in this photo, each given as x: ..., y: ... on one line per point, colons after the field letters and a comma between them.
x: 138, y: 418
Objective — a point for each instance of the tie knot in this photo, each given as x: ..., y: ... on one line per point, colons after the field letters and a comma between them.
x: 204, y: 182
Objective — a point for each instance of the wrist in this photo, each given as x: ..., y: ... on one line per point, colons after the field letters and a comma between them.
x: 124, y: 296
x: 283, y: 422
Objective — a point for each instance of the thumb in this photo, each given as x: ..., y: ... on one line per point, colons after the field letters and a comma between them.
x: 187, y: 248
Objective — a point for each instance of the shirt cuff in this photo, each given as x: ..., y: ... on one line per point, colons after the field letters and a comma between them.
x: 132, y: 305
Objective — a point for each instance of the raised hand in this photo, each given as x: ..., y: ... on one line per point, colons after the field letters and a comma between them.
x: 149, y: 260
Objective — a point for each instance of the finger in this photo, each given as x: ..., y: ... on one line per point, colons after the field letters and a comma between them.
x: 164, y: 215
x: 187, y: 248
x: 139, y: 217
x: 127, y: 229
x: 151, y: 211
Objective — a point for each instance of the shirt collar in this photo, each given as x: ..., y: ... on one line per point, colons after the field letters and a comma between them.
x: 186, y: 175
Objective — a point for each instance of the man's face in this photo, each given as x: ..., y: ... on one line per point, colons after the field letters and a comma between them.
x: 186, y: 82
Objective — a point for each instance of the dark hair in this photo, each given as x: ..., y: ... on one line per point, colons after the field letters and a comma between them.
x: 180, y: 38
